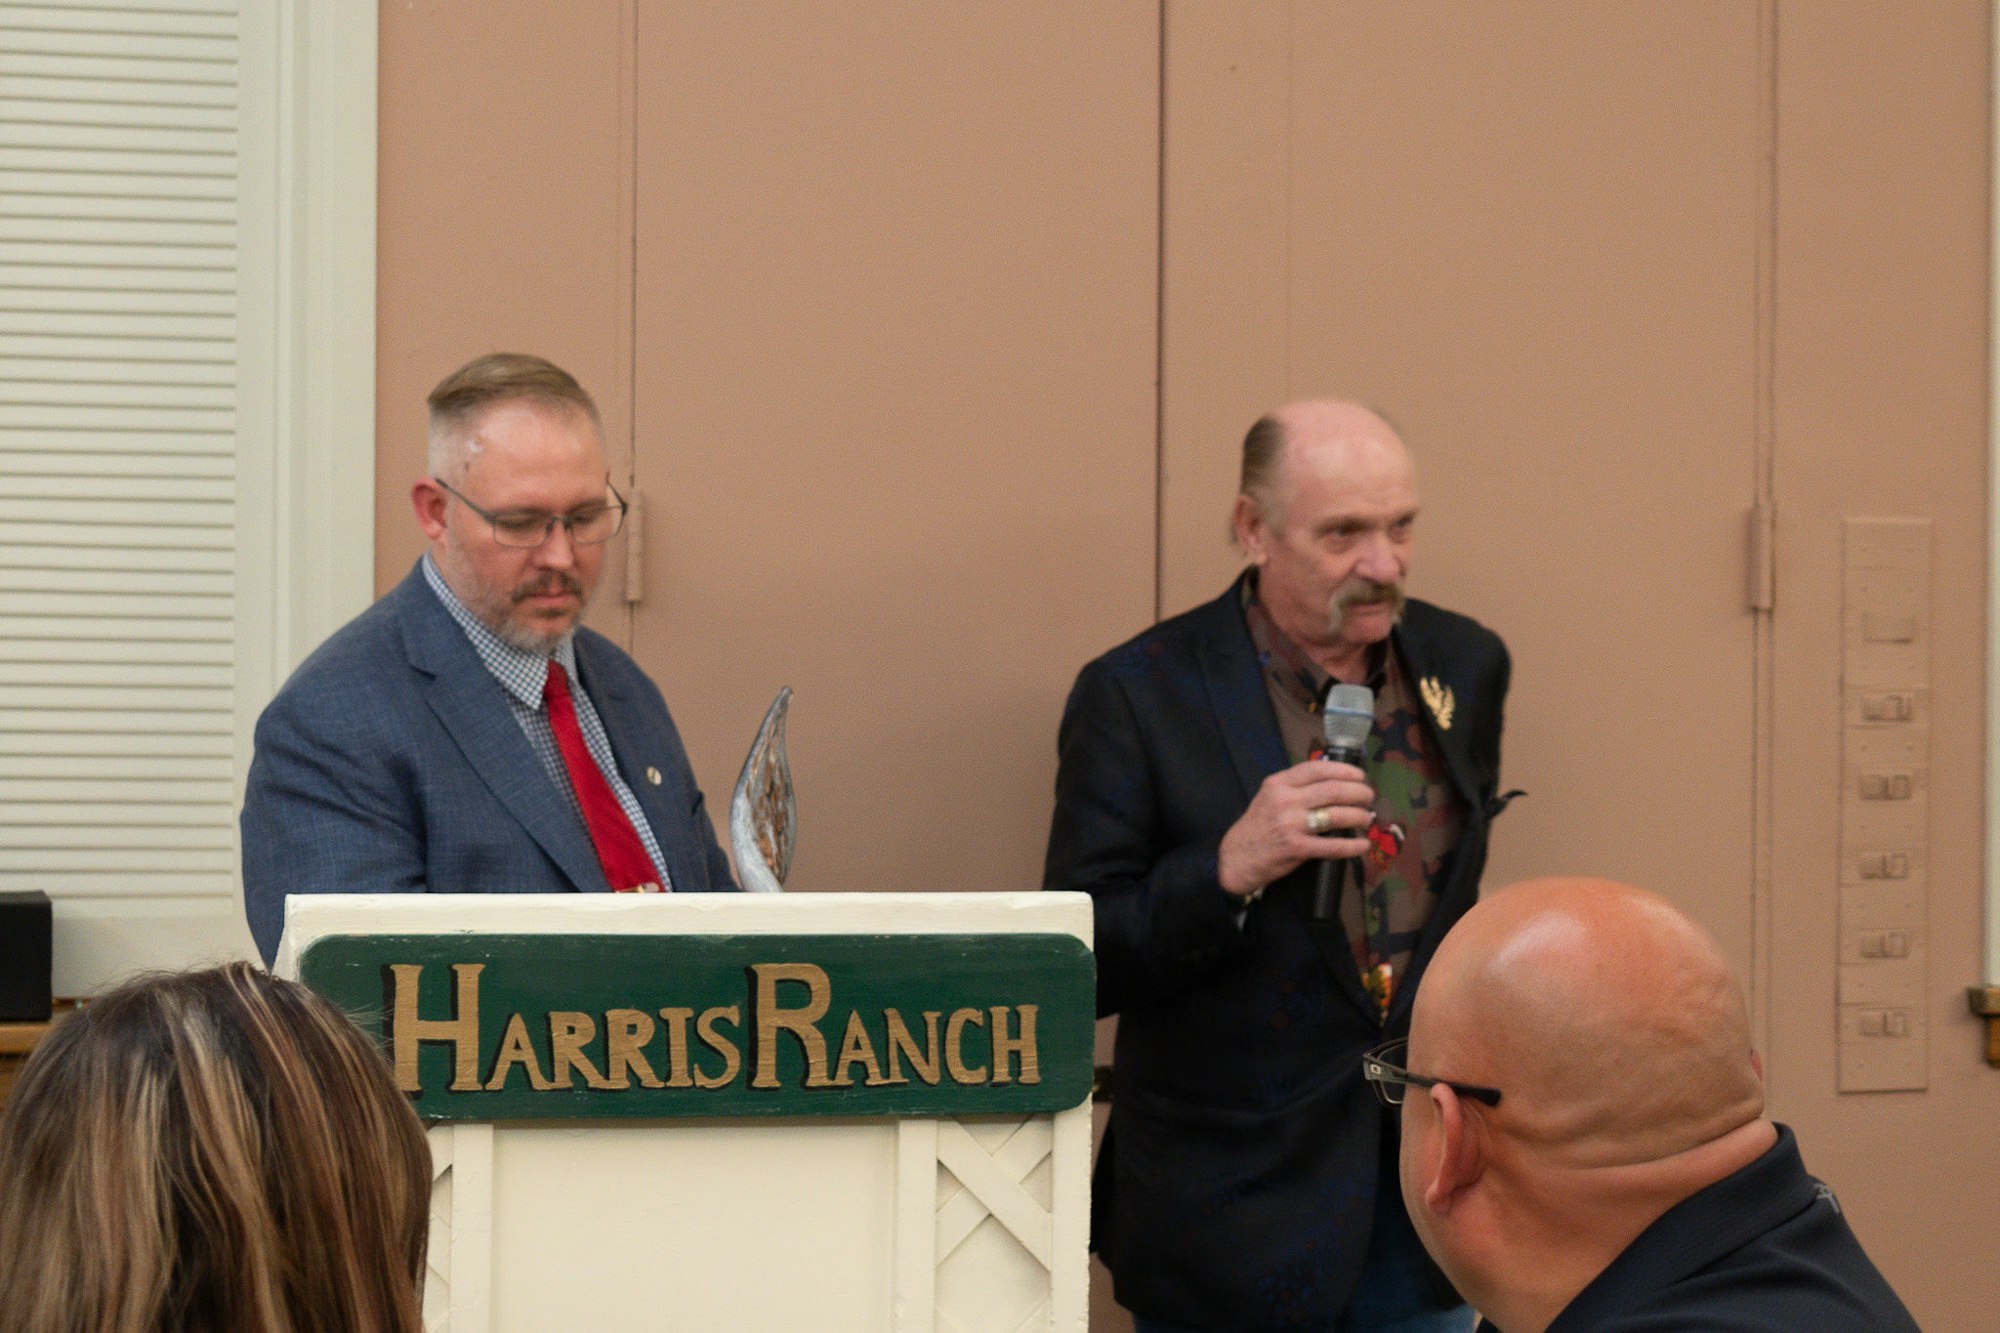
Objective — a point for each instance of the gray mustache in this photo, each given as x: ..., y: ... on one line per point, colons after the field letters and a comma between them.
x: 1368, y: 594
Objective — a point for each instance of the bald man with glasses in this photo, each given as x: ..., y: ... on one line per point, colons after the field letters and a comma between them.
x: 465, y: 734
x: 1584, y: 1138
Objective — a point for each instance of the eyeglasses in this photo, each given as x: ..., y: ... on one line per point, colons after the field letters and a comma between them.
x: 526, y: 529
x: 1390, y: 1079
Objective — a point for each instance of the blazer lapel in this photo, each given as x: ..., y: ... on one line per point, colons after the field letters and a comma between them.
x: 665, y: 804
x: 1242, y: 704
x: 1452, y: 733
x: 1452, y: 736
x: 474, y: 710
x: 1237, y: 693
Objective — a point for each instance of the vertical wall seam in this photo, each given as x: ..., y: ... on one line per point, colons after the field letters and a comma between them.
x: 1160, y: 326
x: 1291, y: 193
x: 628, y: 262
x: 1992, y: 867
x: 1763, y: 689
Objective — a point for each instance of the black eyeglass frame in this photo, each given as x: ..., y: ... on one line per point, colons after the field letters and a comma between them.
x: 1383, y: 1075
x: 568, y: 521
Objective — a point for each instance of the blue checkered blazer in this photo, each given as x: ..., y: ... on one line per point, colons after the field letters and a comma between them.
x: 391, y: 763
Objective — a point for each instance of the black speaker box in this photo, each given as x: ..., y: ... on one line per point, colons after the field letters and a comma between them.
x: 26, y: 927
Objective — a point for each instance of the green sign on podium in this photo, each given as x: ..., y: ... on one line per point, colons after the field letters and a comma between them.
x: 533, y: 1026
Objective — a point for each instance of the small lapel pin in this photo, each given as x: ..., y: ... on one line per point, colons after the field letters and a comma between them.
x: 1438, y: 698
x: 653, y: 776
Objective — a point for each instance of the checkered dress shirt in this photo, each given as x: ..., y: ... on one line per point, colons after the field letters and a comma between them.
x: 522, y: 675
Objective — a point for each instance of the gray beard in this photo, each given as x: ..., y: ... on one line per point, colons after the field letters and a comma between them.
x: 538, y: 642
x: 528, y: 639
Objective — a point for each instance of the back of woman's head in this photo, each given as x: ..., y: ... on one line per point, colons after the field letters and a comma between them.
x: 210, y: 1150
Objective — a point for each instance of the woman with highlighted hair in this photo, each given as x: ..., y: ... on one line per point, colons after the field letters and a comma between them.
x: 211, y: 1150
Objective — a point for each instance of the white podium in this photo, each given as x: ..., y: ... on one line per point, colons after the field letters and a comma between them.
x: 818, y: 1112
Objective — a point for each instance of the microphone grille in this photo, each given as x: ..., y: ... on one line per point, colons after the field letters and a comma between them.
x: 1349, y: 715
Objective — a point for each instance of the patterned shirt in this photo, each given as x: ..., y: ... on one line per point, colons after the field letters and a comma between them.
x: 1418, y: 814
x: 521, y: 675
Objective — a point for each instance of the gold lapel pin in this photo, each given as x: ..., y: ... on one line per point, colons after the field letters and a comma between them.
x: 653, y: 776
x: 1438, y: 698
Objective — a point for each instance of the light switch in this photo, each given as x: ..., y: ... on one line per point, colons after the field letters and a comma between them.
x: 1892, y: 701
x: 1887, y: 786
x: 1887, y: 1023
x: 1885, y: 944
x: 1879, y: 862
x: 1885, y: 865
x: 1894, y: 706
x: 1888, y: 627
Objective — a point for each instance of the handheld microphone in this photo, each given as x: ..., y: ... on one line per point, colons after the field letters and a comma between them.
x: 1347, y: 716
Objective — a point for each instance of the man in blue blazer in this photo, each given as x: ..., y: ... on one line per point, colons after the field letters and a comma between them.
x: 1247, y: 1177
x: 465, y: 734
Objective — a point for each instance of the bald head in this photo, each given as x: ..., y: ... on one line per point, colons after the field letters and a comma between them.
x: 1608, y: 1017
x: 1620, y: 1046
x: 1315, y: 425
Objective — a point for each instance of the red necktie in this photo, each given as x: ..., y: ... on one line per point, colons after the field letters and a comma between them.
x: 626, y: 864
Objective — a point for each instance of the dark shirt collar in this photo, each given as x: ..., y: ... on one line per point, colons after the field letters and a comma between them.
x: 1284, y: 661
x: 1697, y: 1231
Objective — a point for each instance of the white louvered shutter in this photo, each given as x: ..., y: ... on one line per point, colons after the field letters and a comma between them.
x: 118, y: 398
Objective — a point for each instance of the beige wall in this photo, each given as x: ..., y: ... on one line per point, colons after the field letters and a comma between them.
x: 502, y: 226
x: 1880, y: 409
x: 894, y: 361
x: 929, y: 333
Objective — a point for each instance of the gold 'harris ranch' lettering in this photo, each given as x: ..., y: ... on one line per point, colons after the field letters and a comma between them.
x: 674, y: 1047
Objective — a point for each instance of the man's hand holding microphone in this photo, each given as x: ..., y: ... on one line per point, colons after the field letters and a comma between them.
x: 1316, y: 810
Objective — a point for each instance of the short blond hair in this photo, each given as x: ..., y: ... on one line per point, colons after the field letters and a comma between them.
x: 463, y: 396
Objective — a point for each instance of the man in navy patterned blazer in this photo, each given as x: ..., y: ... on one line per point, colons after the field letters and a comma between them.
x: 465, y: 734
x: 1247, y: 1178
